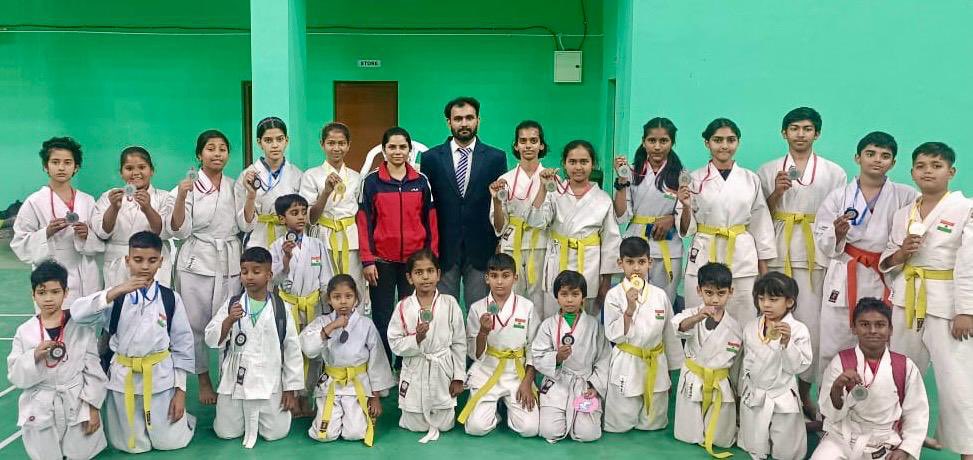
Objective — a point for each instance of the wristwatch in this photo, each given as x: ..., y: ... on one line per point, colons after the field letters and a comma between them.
x: 620, y: 186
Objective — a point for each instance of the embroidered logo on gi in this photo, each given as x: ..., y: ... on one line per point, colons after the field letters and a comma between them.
x: 315, y: 261
x: 733, y: 347
x: 660, y: 314
x: 945, y: 226
x: 520, y: 323
x: 692, y: 255
x: 833, y: 298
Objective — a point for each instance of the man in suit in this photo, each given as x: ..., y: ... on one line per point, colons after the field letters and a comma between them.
x: 460, y: 172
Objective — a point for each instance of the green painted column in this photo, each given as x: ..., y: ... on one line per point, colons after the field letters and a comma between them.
x: 278, y: 60
x: 632, y: 103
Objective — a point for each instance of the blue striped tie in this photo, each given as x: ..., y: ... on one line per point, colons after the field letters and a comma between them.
x: 464, y: 163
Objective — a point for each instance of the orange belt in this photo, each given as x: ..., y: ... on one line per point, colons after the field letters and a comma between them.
x: 870, y: 260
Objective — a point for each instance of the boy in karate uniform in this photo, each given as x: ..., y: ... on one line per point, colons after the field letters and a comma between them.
x: 705, y: 405
x: 261, y: 364
x: 55, y: 362
x: 851, y: 233
x: 499, y: 331
x: 637, y: 315
x: 152, y: 352
x: 571, y: 351
x: 929, y: 256
x: 795, y: 186
x: 873, y: 400
x: 427, y: 331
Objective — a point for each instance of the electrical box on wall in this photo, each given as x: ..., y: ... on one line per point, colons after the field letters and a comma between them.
x: 567, y: 67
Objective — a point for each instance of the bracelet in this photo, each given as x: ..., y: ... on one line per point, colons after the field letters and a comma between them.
x: 619, y: 186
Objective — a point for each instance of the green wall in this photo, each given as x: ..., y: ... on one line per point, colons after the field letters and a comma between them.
x: 897, y: 66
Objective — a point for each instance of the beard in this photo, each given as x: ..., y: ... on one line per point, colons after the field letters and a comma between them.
x: 464, y: 136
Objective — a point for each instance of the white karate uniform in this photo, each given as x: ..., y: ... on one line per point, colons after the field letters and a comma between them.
x: 142, y: 331
x: 338, y: 208
x: 578, y: 218
x: 712, y: 349
x: 650, y: 327
x: 645, y: 200
x: 805, y: 196
x: 429, y: 367
x: 55, y: 401
x: 208, y: 263
x: 871, y: 235
x: 771, y: 420
x: 288, y: 181
x: 349, y: 419
x: 725, y: 203
x: 946, y: 245
x: 860, y: 429
x: 521, y: 190
x: 514, y: 328
x: 131, y: 220
x: 588, y: 364
x: 32, y: 246
x: 254, y: 376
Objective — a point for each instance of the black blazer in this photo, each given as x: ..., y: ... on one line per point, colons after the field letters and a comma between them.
x: 464, y: 222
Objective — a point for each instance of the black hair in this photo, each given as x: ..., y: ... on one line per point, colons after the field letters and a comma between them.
x: 669, y: 176
x: 336, y: 126
x: 62, y: 143
x: 936, y: 150
x: 867, y: 304
x: 572, y: 280
x: 422, y: 254
x: 500, y: 262
x: 775, y: 284
x: 257, y: 255
x: 270, y: 123
x: 284, y: 202
x: 396, y: 131
x: 878, y: 139
x: 342, y: 279
x: 583, y: 144
x: 527, y: 124
x: 460, y: 102
x: 634, y: 246
x: 205, y: 136
x: 718, y: 123
x: 145, y: 240
x: 48, y: 270
x: 135, y: 151
x: 801, y: 114
x: 716, y: 275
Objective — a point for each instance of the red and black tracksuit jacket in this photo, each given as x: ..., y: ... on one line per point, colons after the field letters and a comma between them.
x: 396, y: 218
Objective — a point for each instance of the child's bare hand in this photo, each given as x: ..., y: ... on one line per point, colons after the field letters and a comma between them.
x: 339, y: 322
x: 288, y: 248
x: 235, y: 313
x: 374, y: 407
x: 455, y: 388
x: 591, y: 392
x: 563, y: 353
x: 177, y: 407
x: 288, y: 402
x: 80, y: 230
x: 94, y: 421
x: 421, y: 330
x: 40, y: 353
x: 784, y: 330
x: 486, y: 323
x: 525, y: 395
x: 962, y: 327
x: 56, y: 225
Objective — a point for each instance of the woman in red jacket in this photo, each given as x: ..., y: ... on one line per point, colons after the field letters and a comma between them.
x: 396, y: 218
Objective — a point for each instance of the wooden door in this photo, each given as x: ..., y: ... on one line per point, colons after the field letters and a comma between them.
x: 368, y: 108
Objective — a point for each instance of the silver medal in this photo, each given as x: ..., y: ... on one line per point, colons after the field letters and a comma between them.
x: 550, y: 186
x: 859, y: 392
x: 503, y: 194
x: 917, y: 228
x: 624, y: 172
x: 72, y: 217
x: 568, y: 340
x: 291, y: 236
x: 240, y: 339
x: 343, y: 337
x: 793, y: 173
x: 684, y: 178
x: 192, y: 175
x: 129, y: 191
x: 57, y: 352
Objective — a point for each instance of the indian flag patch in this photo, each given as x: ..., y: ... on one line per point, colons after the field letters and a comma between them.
x: 733, y: 347
x: 945, y: 226
x: 315, y: 261
x: 520, y: 323
x: 162, y: 320
x: 660, y: 314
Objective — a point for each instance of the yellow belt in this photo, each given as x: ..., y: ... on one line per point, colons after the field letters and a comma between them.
x: 730, y: 233
x: 503, y: 356
x: 340, y: 255
x: 272, y: 221
x: 520, y: 226
x: 344, y: 376
x: 664, y: 247
x: 650, y: 357
x: 139, y: 365
x: 711, y: 378
x: 303, y: 304
x: 790, y: 219
x: 578, y: 244
x: 916, y: 308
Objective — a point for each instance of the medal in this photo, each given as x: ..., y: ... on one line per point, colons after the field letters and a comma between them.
x: 72, y: 217
x: 917, y: 228
x: 57, y: 351
x: 129, y: 191
x: 624, y: 172
x: 637, y: 281
x: 493, y: 308
x: 567, y: 340
x: 503, y: 194
x: 291, y: 236
x: 343, y: 337
x: 859, y: 392
x: 793, y: 173
x: 425, y: 315
x: 772, y: 332
x: 684, y: 178
x: 339, y: 188
x: 851, y: 214
x: 257, y: 184
x: 240, y: 339
x: 550, y: 186
x: 192, y: 175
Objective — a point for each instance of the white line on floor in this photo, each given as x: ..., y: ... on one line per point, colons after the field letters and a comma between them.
x: 6, y: 339
x: 9, y: 439
x: 16, y: 315
x: 7, y: 391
